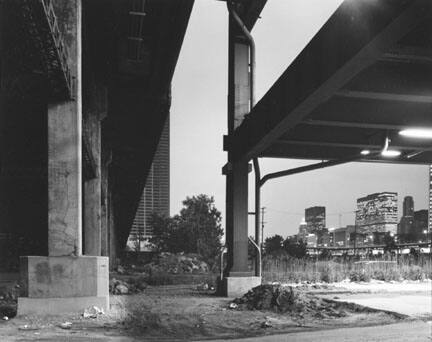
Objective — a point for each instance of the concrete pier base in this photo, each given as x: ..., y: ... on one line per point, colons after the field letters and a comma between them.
x: 238, y: 286
x: 54, y: 306
x: 63, y: 284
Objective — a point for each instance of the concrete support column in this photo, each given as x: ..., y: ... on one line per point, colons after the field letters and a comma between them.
x: 64, y: 150
x: 105, y: 162
x: 65, y: 281
x: 238, y: 278
x: 238, y: 191
x: 92, y: 193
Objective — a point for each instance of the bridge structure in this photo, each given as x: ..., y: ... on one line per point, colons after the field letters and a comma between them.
x: 85, y: 93
x: 358, y: 92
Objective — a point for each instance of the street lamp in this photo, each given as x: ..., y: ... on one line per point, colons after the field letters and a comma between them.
x: 389, y: 153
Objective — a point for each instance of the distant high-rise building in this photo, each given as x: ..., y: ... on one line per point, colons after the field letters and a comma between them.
x: 315, y: 218
x: 343, y: 237
x: 311, y: 240
x: 377, y: 214
x: 155, y: 197
x: 406, y: 223
x: 408, y: 206
x: 316, y: 223
x: 420, y: 225
x: 302, y: 232
x: 347, y: 237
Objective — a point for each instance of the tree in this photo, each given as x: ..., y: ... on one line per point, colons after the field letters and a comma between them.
x: 273, y: 244
x: 166, y: 234
x: 295, y: 249
x: 200, y: 222
x: 197, y: 229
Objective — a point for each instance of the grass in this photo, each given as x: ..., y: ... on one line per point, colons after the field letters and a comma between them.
x: 283, y: 268
x: 156, y: 319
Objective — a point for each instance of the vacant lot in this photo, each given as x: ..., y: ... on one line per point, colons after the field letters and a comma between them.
x: 182, y: 313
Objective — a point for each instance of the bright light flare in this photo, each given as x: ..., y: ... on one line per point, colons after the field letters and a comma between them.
x: 365, y: 152
x: 418, y: 133
x: 390, y: 153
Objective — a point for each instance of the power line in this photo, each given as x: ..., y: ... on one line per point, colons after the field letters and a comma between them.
x: 302, y: 214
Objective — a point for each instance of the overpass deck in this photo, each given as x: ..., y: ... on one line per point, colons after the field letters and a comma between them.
x: 366, y: 75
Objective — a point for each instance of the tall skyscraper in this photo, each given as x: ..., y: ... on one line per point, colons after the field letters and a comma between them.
x: 315, y: 218
x: 377, y: 213
x: 408, y: 206
x: 316, y: 224
x: 302, y: 232
x: 407, y: 220
x: 420, y: 225
x: 155, y: 197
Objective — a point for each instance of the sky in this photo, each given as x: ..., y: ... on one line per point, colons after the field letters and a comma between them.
x: 199, y: 121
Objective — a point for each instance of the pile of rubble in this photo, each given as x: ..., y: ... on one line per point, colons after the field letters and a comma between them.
x: 8, y: 301
x: 286, y: 299
x: 177, y: 264
x: 127, y: 286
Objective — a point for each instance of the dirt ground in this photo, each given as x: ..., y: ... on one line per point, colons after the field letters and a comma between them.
x: 178, y: 313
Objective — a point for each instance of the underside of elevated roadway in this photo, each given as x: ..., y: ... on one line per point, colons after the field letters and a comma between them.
x: 363, y: 78
x: 85, y: 93
x: 366, y: 75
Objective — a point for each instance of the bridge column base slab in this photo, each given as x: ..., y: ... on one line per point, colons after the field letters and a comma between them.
x: 63, y: 284
x: 237, y: 286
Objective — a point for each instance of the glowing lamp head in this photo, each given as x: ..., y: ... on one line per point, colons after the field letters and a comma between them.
x: 365, y: 152
x: 389, y: 153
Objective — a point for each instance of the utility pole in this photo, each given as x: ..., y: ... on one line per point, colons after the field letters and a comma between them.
x: 262, y: 225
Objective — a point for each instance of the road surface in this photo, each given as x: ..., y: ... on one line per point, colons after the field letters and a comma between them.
x: 416, y: 331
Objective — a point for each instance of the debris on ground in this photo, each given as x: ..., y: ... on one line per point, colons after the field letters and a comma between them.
x: 233, y: 306
x: 8, y: 300
x: 66, y: 325
x: 5, y: 318
x: 203, y: 287
x: 127, y: 286
x: 122, y: 289
x: 120, y: 269
x: 28, y: 327
x: 177, y: 264
x: 92, y: 312
x: 8, y: 309
x: 266, y: 324
x: 284, y: 299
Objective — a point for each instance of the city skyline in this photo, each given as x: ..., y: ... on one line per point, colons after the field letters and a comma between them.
x: 400, y: 213
x: 376, y: 217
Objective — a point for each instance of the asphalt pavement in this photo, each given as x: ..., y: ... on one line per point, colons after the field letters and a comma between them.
x: 414, y: 331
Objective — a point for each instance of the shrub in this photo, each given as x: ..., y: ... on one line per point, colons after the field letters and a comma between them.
x: 413, y: 273
x: 359, y: 276
x: 284, y: 268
